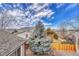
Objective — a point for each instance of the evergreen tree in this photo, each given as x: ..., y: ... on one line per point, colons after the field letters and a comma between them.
x: 38, y: 42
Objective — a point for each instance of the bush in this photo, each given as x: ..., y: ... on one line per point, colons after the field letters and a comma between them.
x: 51, y: 33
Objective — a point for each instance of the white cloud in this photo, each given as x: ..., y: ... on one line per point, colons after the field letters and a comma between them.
x: 16, y: 12
x: 47, y: 24
x: 37, y: 6
x: 71, y: 6
x: 33, y: 12
x: 52, y: 18
x: 73, y: 20
x: 52, y: 27
x: 71, y: 24
x: 40, y: 11
x: 47, y: 13
x: 41, y: 7
x: 59, y: 5
x: 0, y: 4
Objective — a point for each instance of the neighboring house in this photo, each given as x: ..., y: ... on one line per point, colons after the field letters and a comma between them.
x: 24, y: 33
x: 11, y: 45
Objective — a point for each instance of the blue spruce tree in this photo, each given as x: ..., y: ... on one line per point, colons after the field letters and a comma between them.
x: 39, y: 44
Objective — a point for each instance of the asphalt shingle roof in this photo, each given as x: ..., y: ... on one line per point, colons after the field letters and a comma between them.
x: 9, y: 42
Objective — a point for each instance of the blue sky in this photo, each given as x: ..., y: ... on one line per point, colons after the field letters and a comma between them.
x: 57, y: 12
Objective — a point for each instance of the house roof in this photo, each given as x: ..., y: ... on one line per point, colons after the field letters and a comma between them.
x: 9, y: 42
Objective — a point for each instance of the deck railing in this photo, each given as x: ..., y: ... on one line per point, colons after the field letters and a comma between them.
x: 64, y: 47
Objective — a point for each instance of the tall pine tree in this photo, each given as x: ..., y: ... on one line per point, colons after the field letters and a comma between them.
x: 38, y: 42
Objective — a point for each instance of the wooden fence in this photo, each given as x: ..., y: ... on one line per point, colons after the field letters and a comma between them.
x: 64, y: 47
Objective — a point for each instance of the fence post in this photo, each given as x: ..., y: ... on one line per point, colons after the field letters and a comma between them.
x: 76, y: 44
x: 23, y: 50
